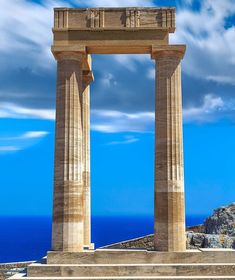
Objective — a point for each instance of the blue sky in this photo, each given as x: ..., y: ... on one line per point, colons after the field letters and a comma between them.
x: 122, y: 111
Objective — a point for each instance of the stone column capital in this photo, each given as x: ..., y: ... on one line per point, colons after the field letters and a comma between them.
x: 169, y: 51
x: 66, y: 55
x: 68, y: 52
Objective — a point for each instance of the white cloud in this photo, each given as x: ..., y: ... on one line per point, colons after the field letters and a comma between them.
x: 222, y: 79
x: 26, y: 36
x: 211, y: 109
x: 7, y: 149
x: 210, y: 51
x: 128, y: 139
x: 34, y: 134
x: 25, y: 32
x: 207, y: 112
x: 151, y: 73
x: 108, y: 80
x: 115, y: 121
x: 130, y: 61
x: 111, y: 121
x: 20, y: 142
x: 9, y: 110
x: 25, y: 135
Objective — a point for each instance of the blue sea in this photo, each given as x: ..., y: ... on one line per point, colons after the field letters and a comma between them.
x: 29, y: 238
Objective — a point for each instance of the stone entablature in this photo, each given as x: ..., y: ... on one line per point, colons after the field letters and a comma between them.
x: 112, y: 30
x: 115, y: 18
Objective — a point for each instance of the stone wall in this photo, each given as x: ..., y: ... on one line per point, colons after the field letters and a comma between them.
x: 135, y: 243
x: 194, y: 240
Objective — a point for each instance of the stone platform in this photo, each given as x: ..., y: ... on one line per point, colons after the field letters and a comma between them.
x: 134, y: 264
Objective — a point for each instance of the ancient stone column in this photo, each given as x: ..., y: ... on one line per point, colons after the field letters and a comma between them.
x: 169, y: 212
x: 86, y: 159
x: 68, y: 209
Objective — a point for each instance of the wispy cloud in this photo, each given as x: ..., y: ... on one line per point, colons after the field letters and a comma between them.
x: 207, y: 112
x: 210, y: 43
x: 13, y: 111
x: 222, y: 79
x: 9, y: 144
x: 25, y: 135
x: 108, y: 80
x: 30, y: 47
x: 7, y: 149
x: 128, y: 139
x: 34, y: 134
x: 211, y: 109
x: 132, y: 61
x: 151, y: 73
x: 210, y: 57
x: 115, y: 121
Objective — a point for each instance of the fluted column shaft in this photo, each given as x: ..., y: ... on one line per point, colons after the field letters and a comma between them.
x: 86, y: 161
x: 169, y: 220
x: 68, y: 210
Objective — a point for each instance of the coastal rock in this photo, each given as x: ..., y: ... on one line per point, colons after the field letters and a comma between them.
x: 222, y: 221
x: 198, y: 240
x: 203, y: 240
x: 213, y: 241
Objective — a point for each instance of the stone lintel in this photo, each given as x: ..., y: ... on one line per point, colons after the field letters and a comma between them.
x: 110, y: 41
x: 115, y: 18
x: 168, y: 51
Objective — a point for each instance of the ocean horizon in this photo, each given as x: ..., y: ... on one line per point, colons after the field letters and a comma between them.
x: 29, y: 238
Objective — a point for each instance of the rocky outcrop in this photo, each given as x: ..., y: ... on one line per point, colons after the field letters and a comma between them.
x: 9, y: 269
x: 218, y: 231
x: 222, y: 221
x: 203, y: 240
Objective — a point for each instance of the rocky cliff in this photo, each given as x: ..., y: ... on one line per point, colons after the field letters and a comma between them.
x: 222, y: 221
x: 218, y: 230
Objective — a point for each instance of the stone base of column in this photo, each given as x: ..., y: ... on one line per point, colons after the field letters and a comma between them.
x: 169, y: 232
x: 134, y: 264
x: 90, y: 246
